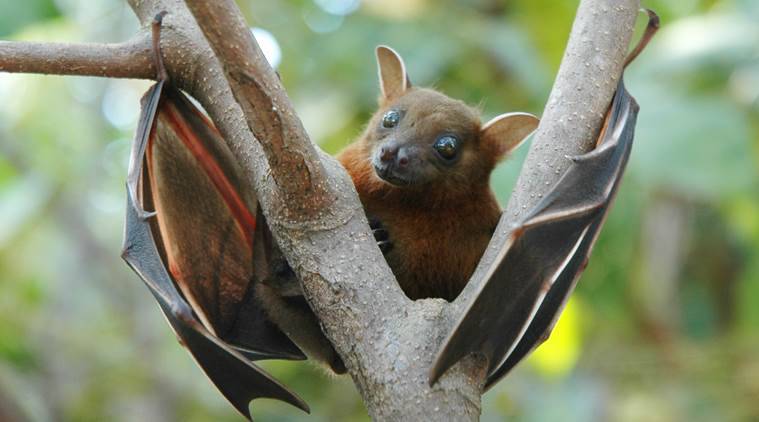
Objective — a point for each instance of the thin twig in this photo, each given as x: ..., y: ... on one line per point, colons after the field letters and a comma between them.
x: 131, y: 59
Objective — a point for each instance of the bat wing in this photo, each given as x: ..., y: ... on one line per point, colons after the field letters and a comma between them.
x: 538, y: 264
x: 190, y: 235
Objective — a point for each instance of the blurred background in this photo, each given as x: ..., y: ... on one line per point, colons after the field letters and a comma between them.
x: 664, y: 325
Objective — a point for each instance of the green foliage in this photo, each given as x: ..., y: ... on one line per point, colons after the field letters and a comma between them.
x: 17, y: 14
x: 662, y: 327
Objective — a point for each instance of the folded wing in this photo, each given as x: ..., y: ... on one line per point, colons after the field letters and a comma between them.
x: 190, y: 235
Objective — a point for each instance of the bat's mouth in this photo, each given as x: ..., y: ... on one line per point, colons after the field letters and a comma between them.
x: 387, y: 174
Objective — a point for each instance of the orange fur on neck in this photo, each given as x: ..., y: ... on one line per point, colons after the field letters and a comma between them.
x: 438, y: 234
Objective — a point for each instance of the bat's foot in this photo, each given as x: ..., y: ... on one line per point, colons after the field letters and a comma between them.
x: 282, y: 269
x: 380, y: 235
x: 337, y: 365
x: 144, y: 215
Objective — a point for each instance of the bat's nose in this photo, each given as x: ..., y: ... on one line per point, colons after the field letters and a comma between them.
x: 388, y: 153
x: 392, y: 161
x: 402, y: 157
x: 393, y: 155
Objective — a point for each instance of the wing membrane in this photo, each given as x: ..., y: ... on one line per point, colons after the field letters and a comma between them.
x: 194, y: 248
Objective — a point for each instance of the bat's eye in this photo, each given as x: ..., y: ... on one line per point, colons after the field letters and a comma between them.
x: 447, y: 146
x: 391, y: 119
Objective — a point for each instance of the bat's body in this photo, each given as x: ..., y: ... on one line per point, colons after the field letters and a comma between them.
x: 421, y: 169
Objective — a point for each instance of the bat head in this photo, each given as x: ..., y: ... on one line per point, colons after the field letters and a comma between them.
x: 420, y: 136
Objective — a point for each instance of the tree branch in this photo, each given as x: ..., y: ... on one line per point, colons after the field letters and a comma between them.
x: 296, y: 168
x: 131, y: 59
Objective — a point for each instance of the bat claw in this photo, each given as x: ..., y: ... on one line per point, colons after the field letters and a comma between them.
x: 137, y: 206
x: 385, y: 246
x: 381, y: 235
x: 144, y: 215
x: 282, y: 269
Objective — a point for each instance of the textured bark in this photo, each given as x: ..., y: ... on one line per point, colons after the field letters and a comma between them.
x: 131, y: 59
x: 386, y: 340
x: 296, y: 168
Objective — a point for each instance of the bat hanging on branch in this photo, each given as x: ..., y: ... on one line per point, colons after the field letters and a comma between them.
x: 202, y: 246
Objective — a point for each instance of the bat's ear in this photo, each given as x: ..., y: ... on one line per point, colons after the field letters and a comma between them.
x: 392, y: 73
x: 506, y: 132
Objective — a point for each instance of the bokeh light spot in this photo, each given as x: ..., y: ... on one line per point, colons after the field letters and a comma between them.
x: 269, y: 46
x: 559, y: 354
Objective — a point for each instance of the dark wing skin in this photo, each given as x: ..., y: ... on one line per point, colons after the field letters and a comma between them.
x: 538, y: 265
x: 190, y: 235
x: 622, y: 118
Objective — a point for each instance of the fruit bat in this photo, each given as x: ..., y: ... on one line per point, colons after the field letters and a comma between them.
x: 201, y: 246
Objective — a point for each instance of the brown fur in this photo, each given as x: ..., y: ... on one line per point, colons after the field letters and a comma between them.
x: 439, y: 229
